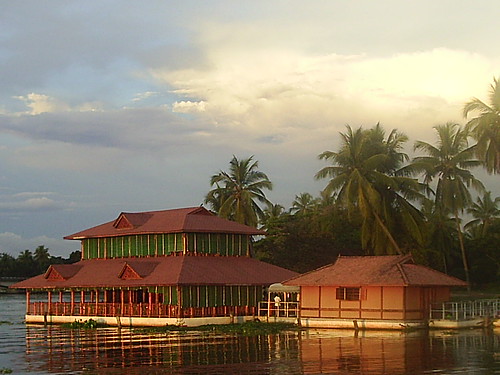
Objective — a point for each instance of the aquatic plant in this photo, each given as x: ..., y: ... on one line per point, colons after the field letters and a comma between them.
x: 87, y: 324
x: 246, y: 329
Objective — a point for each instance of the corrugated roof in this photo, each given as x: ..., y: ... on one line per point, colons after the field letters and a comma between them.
x: 181, y: 220
x: 170, y: 270
x: 390, y: 270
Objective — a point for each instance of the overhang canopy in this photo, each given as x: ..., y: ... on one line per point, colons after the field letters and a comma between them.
x: 280, y: 288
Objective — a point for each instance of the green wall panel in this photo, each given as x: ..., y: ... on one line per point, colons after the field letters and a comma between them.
x: 164, y: 244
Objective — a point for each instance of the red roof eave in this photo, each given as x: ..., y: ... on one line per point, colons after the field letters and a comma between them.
x: 183, y: 220
x: 166, y: 271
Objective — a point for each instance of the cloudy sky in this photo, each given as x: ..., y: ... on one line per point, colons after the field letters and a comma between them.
x: 110, y: 106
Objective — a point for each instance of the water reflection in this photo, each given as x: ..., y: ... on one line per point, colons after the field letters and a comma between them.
x: 59, y: 350
x: 397, y: 353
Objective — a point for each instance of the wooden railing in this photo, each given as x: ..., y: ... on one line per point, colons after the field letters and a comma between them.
x: 284, y: 309
x: 155, y: 310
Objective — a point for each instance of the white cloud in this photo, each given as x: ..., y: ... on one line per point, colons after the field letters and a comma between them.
x: 188, y: 107
x: 287, y: 92
x: 40, y: 103
x: 32, y: 194
x: 144, y: 95
x: 31, y: 204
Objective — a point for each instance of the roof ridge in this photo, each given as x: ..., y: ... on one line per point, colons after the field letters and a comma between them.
x: 315, y: 270
x: 403, y: 273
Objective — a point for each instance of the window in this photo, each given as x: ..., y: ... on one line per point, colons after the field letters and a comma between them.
x: 348, y: 294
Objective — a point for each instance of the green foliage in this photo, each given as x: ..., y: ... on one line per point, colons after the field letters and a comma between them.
x: 486, y: 127
x: 304, y: 242
x: 254, y: 328
x: 87, y: 324
x: 485, y: 259
x: 367, y: 177
x: 449, y: 163
x: 237, y: 193
x: 5, y: 370
x: 28, y: 264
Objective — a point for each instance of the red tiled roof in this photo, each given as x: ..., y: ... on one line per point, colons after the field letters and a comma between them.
x: 397, y: 270
x: 170, y: 270
x: 63, y: 270
x: 181, y: 220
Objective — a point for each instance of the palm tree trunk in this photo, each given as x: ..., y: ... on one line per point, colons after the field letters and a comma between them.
x: 388, y: 234
x: 445, y: 264
x: 462, y: 250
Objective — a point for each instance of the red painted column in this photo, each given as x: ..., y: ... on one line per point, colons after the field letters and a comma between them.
x: 122, y: 292
x: 49, y: 302
x: 179, y: 302
x: 150, y: 302
x: 72, y: 302
x: 82, y: 302
x: 28, y: 298
x: 130, y: 304
x: 96, y: 302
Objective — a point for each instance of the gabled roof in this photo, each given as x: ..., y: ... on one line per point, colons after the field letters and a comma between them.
x: 165, y: 271
x: 136, y: 270
x: 61, y: 271
x: 390, y: 270
x: 181, y: 220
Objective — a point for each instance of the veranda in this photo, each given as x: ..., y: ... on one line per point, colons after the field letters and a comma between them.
x: 152, y: 302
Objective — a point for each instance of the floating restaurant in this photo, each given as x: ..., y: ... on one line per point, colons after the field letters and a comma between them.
x: 182, y: 266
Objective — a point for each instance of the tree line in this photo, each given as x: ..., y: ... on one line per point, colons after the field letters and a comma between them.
x: 377, y: 200
x: 28, y: 263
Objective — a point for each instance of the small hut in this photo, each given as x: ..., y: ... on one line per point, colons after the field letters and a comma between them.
x: 371, y: 292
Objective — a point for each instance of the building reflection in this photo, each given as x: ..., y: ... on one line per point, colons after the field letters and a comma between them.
x: 54, y: 349
x: 420, y: 352
x: 112, y: 350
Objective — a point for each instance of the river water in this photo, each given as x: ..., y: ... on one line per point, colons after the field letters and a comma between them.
x: 32, y: 349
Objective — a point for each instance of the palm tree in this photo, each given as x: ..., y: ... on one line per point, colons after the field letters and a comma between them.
x: 216, y: 198
x: 272, y: 213
x: 484, y: 211
x: 440, y: 231
x: 239, y: 191
x: 449, y: 162
x: 26, y: 264
x: 42, y: 257
x: 486, y: 127
x: 366, y: 175
x: 303, y: 204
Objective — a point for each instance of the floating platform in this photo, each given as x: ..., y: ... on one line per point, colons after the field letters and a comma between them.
x: 458, y: 324
x: 126, y: 321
